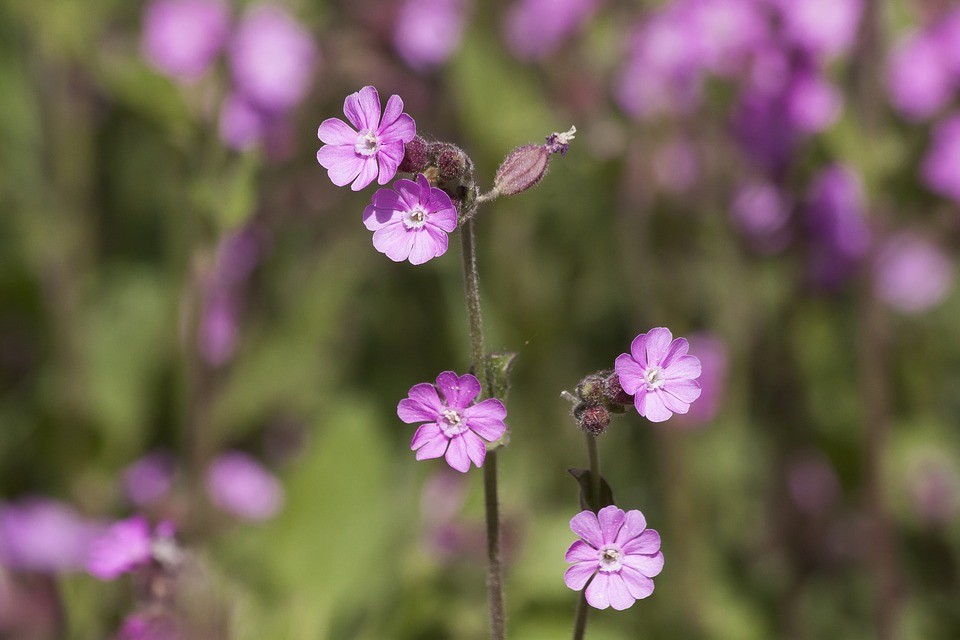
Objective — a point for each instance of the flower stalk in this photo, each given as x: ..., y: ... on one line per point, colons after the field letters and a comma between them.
x: 593, y: 456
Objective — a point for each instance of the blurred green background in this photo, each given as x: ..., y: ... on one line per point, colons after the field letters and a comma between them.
x: 116, y: 192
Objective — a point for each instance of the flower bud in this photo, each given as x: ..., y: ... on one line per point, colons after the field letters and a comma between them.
x: 415, y: 156
x: 591, y: 389
x: 614, y: 392
x: 525, y: 166
x: 593, y: 419
x: 452, y: 163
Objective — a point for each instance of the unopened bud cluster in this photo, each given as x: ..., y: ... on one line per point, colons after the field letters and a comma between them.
x: 445, y: 165
x: 598, y: 397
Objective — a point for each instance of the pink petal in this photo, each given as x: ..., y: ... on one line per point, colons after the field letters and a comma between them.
x: 425, y: 189
x: 392, y: 111
x: 597, y: 593
x: 585, y: 525
x: 686, y: 367
x: 678, y: 348
x: 411, y: 411
x: 649, y: 405
x: 426, y: 433
x: 577, y: 575
x: 409, y: 192
x: 618, y: 593
x: 426, y: 394
x: 368, y: 171
x: 671, y: 402
x: 638, y: 349
x: 611, y: 519
x: 424, y: 247
x: 433, y: 448
x: 368, y: 101
x: 354, y: 112
x: 390, y: 156
x: 633, y: 525
x: 639, y: 585
x: 580, y: 551
x: 458, y: 391
x: 683, y: 390
x: 476, y: 450
x: 486, y: 419
x: 375, y: 218
x: 650, y: 566
x: 457, y: 454
x: 402, y: 129
x: 438, y: 239
x: 647, y: 543
x: 336, y: 132
x: 444, y: 219
x: 629, y: 372
x: 393, y: 240
x: 341, y: 162
x: 657, y: 345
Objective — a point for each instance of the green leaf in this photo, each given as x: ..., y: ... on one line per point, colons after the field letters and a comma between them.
x: 499, y: 366
x: 584, y: 479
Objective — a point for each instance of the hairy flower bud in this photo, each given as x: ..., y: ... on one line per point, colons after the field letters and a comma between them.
x: 593, y: 419
x: 591, y: 389
x: 525, y: 166
x: 415, y: 156
x: 614, y: 392
x: 452, y: 163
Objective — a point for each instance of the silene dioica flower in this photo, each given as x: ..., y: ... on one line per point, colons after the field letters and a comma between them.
x: 618, y: 552
x: 659, y: 374
x: 128, y: 545
x: 374, y: 149
x: 455, y: 427
x: 411, y: 220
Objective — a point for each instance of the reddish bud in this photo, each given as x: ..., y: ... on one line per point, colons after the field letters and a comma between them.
x: 415, y: 156
x: 452, y: 163
x: 593, y: 419
x: 614, y: 392
x: 525, y: 166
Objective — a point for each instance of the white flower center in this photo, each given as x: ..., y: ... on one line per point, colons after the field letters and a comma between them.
x: 367, y: 143
x: 451, y: 423
x: 415, y: 218
x: 653, y: 377
x: 609, y: 558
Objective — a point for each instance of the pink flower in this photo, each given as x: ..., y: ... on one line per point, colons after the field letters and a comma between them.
x: 376, y: 146
x: 181, y: 38
x: 911, y: 274
x: 659, y: 374
x: 45, y: 536
x: 428, y: 32
x: 149, y: 479
x: 272, y: 59
x: 940, y: 170
x: 411, y: 222
x: 618, y: 551
x: 125, y: 546
x: 238, y: 484
x: 455, y: 426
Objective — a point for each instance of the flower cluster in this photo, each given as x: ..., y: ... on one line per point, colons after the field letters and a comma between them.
x: 271, y: 59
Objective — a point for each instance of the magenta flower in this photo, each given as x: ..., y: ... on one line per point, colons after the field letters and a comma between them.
x: 45, y: 536
x: 659, y: 374
x: 919, y: 77
x: 535, y: 29
x: 714, y: 361
x: 618, y: 551
x: 940, y: 170
x: 411, y: 222
x: 374, y: 150
x: 455, y: 427
x: 181, y: 38
x: 428, y: 32
x: 911, y: 274
x: 125, y: 546
x: 272, y: 59
x: 240, y: 485
x: 150, y: 478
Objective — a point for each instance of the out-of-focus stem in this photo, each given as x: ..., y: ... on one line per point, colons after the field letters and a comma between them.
x: 471, y: 286
x: 593, y: 456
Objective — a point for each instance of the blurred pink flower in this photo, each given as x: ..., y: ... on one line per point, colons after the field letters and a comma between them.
x: 813, y: 483
x: 618, y: 552
x: 455, y: 427
x: 837, y: 211
x: 813, y: 104
x: 940, y: 170
x: 712, y: 353
x: 125, y: 546
x: 761, y: 211
x: 376, y: 146
x: 676, y: 166
x: 919, y: 77
x: 272, y: 59
x: 827, y: 27
x: 240, y: 485
x: 911, y: 274
x: 428, y: 32
x: 934, y: 489
x: 219, y: 327
x: 42, y: 535
x: 535, y: 29
x: 150, y: 478
x: 149, y: 626
x: 411, y: 221
x: 181, y: 38
x: 659, y: 374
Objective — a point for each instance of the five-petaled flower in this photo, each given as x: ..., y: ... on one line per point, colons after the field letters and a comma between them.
x: 659, y: 374
x: 618, y: 551
x: 375, y: 149
x: 411, y: 221
x: 455, y: 426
